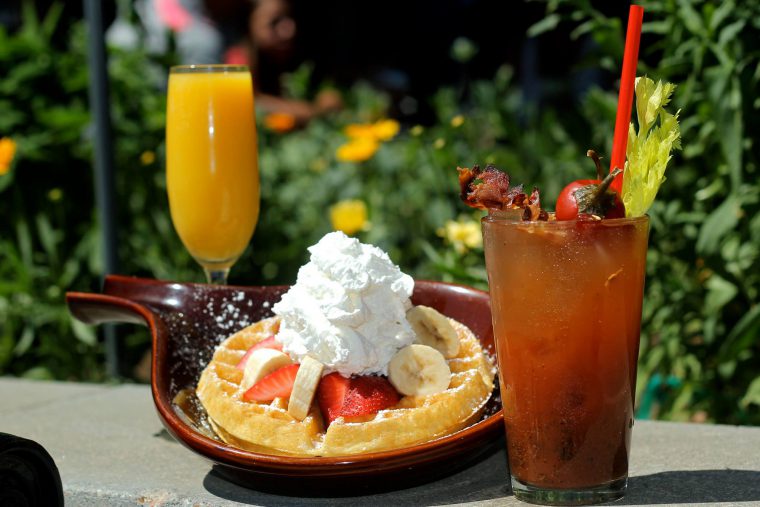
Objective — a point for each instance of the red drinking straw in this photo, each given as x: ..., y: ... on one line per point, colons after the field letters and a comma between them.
x: 625, y: 99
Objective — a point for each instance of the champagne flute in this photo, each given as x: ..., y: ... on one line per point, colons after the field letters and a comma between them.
x: 212, y: 174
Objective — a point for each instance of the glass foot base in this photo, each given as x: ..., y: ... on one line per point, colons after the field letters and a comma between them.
x: 217, y: 271
x: 587, y: 496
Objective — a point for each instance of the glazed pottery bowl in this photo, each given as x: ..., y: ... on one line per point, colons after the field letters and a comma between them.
x: 187, y: 321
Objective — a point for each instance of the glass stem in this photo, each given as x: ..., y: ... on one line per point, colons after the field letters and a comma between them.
x: 217, y: 276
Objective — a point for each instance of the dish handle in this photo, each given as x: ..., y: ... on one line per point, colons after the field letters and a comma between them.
x: 101, y: 308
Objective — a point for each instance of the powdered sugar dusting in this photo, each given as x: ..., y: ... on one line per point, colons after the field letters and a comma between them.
x: 217, y: 313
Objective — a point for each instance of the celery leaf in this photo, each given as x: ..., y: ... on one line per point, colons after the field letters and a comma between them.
x: 649, y: 149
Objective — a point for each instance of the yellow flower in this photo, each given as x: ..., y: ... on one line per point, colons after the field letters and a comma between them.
x: 357, y: 150
x: 7, y: 152
x: 439, y: 143
x: 457, y: 121
x: 463, y: 234
x: 417, y: 130
x: 382, y: 130
x: 365, y: 139
x: 280, y: 122
x: 147, y: 157
x: 360, y: 130
x: 349, y: 216
x: 55, y: 194
x: 385, y: 130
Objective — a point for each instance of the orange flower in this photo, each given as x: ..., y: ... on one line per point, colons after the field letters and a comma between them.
x: 357, y: 150
x: 280, y: 122
x: 7, y: 152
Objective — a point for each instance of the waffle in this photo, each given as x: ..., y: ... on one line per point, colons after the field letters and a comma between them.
x: 268, y: 428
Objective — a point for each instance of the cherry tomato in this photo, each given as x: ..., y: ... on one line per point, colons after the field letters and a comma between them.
x: 567, y: 204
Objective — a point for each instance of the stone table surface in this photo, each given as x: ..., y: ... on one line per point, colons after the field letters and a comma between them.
x: 111, y: 449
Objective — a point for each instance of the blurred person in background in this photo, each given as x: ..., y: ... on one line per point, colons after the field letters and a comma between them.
x: 269, y: 48
x: 258, y: 33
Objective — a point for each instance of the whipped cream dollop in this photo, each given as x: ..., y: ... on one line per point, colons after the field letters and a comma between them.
x: 347, y: 308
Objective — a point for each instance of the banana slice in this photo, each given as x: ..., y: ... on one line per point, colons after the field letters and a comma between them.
x: 308, y: 377
x: 419, y: 370
x: 261, y: 363
x: 434, y: 329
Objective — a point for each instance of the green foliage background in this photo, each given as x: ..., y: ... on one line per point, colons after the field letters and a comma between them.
x: 700, y: 353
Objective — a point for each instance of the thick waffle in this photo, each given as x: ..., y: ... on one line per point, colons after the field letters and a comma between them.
x: 267, y: 427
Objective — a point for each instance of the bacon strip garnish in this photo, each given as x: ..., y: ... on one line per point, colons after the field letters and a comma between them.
x: 489, y: 189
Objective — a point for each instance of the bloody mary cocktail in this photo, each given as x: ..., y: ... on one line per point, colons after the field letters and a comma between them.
x: 566, y: 300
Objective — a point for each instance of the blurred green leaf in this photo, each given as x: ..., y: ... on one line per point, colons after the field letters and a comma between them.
x: 719, y: 223
x: 547, y: 24
x: 47, y: 237
x: 691, y: 18
x: 38, y: 373
x: 743, y: 335
x: 83, y: 332
x: 463, y: 49
x: 721, y: 13
x: 720, y: 292
x: 752, y: 396
x: 6, y: 180
x: 730, y: 32
x: 24, y: 342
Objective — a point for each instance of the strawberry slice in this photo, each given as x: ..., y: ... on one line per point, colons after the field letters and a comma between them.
x: 269, y: 343
x: 277, y: 384
x: 331, y: 393
x: 367, y: 394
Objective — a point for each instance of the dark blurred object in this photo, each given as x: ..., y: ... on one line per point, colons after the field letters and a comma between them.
x: 28, y: 475
x: 105, y: 185
x: 409, y: 49
x: 405, y: 48
x: 10, y: 14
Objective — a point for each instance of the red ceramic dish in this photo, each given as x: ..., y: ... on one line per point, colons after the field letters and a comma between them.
x: 187, y: 321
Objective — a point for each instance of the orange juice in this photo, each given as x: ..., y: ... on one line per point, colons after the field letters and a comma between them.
x: 212, y: 171
x: 566, y: 299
